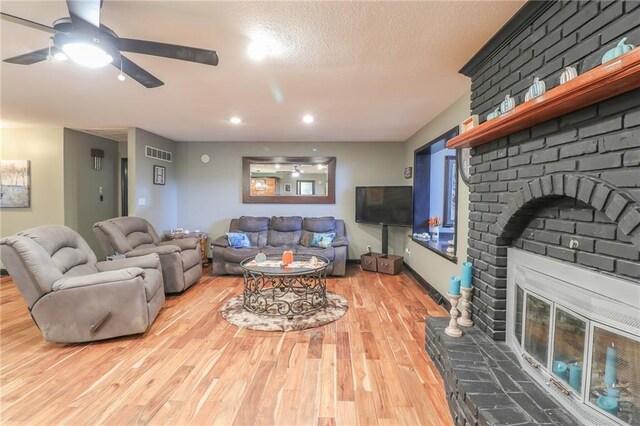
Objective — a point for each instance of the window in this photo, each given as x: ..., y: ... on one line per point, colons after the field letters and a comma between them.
x: 435, y: 196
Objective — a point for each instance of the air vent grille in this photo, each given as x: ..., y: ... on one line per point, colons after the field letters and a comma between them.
x: 158, y: 154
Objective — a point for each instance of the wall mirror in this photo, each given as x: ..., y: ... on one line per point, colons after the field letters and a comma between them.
x: 289, y: 180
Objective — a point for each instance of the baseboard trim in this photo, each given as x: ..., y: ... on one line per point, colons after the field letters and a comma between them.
x: 435, y: 294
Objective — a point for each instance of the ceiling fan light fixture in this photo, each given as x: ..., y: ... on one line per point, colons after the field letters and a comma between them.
x: 60, y: 57
x: 87, y: 54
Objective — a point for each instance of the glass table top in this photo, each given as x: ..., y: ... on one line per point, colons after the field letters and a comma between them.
x: 302, y: 264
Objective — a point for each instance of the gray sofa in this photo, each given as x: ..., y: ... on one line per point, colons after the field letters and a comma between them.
x: 74, y: 298
x: 181, y: 260
x: 275, y: 235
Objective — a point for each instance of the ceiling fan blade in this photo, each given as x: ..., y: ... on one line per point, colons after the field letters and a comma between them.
x: 84, y: 13
x: 173, y: 51
x: 30, y: 58
x: 27, y: 23
x: 137, y: 73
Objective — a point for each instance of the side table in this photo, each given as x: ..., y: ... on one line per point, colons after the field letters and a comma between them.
x: 202, y: 237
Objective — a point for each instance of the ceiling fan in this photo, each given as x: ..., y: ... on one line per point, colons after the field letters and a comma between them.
x: 83, y: 39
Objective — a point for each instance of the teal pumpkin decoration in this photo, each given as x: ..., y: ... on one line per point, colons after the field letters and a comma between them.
x: 621, y: 48
x: 494, y: 114
x: 536, y: 89
x: 261, y: 257
x: 507, y: 105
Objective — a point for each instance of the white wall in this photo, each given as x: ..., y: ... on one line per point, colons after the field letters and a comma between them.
x: 434, y: 268
x: 211, y: 194
x: 160, y: 206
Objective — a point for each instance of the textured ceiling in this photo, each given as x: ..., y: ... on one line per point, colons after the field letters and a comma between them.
x: 367, y: 71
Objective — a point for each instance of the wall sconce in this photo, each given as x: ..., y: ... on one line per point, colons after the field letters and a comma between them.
x: 97, y: 155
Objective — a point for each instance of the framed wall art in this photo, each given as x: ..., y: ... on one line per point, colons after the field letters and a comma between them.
x: 15, y: 183
x: 159, y: 175
x: 408, y: 172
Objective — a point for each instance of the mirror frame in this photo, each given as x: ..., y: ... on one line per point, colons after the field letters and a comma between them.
x: 330, y: 198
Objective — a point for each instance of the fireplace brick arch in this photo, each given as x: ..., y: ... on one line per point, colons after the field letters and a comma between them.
x: 602, y: 196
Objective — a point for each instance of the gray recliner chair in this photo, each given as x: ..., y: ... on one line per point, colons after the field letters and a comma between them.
x: 181, y: 260
x: 74, y: 298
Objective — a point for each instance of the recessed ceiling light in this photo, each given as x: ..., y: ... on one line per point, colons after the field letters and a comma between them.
x: 235, y: 120
x: 258, y: 50
x: 277, y: 166
x: 319, y: 166
x: 308, y: 119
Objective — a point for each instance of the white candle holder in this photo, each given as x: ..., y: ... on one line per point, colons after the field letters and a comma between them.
x: 465, y: 307
x: 453, y: 330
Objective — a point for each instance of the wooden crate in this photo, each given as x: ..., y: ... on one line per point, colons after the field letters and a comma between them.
x: 368, y: 261
x: 390, y: 264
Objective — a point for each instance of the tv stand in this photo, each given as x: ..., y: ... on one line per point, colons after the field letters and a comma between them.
x: 385, y: 239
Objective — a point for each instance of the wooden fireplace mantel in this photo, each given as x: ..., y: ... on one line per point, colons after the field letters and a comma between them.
x: 605, y: 81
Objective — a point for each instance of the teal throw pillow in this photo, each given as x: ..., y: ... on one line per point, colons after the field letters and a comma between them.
x: 322, y: 239
x: 238, y: 240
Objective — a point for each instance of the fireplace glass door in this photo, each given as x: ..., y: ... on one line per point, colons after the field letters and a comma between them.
x: 536, y: 329
x: 615, y: 375
x: 598, y: 365
x: 568, y: 349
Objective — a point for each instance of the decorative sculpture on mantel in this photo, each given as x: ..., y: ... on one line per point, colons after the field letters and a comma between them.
x: 507, y: 105
x: 537, y: 88
x: 568, y: 74
x: 494, y: 114
x: 621, y: 48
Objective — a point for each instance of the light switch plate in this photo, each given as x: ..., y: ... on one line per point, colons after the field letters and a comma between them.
x: 142, y: 201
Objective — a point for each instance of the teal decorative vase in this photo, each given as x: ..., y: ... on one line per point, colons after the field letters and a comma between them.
x: 261, y: 257
x: 537, y: 88
x: 507, y: 105
x: 493, y: 114
x: 568, y: 74
x: 622, y: 48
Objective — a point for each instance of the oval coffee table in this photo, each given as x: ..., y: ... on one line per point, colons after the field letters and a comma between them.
x: 272, y: 289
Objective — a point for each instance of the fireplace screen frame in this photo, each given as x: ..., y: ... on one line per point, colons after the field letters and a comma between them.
x: 601, y: 300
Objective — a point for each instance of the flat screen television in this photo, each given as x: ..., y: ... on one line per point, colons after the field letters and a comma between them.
x: 384, y: 205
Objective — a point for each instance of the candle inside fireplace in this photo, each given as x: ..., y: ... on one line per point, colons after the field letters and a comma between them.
x: 608, y: 404
x: 575, y: 376
x: 610, y: 366
x: 454, y: 285
x: 613, y: 392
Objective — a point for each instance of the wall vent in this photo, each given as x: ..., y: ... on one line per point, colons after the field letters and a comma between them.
x: 158, y: 154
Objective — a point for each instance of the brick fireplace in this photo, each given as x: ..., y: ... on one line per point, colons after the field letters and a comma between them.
x: 567, y: 189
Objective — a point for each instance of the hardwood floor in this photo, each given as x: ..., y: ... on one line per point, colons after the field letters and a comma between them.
x: 192, y: 367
